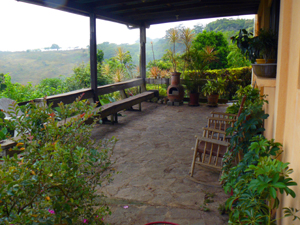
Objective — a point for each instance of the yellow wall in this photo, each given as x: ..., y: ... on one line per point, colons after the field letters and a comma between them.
x: 287, y: 108
x: 267, y: 86
x: 284, y: 121
x: 287, y: 95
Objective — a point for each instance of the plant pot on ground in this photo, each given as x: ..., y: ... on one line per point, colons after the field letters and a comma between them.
x: 212, y: 89
x: 199, y: 61
x: 192, y: 83
x: 194, y: 99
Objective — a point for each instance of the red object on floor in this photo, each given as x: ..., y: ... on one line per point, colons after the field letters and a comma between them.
x: 162, y: 223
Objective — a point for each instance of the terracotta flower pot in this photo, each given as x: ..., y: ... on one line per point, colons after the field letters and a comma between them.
x: 260, y: 61
x: 194, y: 99
x: 212, y: 100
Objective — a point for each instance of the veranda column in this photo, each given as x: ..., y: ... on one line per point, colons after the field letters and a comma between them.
x: 93, y: 55
x: 143, y: 55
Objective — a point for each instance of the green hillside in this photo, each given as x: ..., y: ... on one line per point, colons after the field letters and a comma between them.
x: 32, y: 67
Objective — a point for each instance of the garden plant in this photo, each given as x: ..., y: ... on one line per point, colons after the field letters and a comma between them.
x: 56, y: 177
x: 256, y: 181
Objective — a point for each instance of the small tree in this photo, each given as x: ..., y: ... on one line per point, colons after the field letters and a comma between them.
x: 186, y: 37
x: 173, y: 37
x: 218, y: 42
x: 55, y: 46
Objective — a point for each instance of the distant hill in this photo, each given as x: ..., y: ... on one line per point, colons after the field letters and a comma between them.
x: 35, y: 65
x: 235, y: 25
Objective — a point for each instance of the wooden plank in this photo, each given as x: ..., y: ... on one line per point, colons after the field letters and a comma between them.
x: 214, y: 130
x: 68, y: 97
x: 223, y: 114
x: 214, y: 141
x: 210, y: 165
x: 221, y: 119
x: 118, y: 106
x: 110, y: 88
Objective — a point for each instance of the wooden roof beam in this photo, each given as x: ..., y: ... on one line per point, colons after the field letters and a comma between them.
x: 116, y: 3
x: 145, y: 6
x: 190, y: 8
x: 84, y: 10
x: 193, y: 16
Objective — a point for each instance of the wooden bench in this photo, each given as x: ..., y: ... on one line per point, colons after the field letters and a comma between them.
x: 113, y: 108
x: 110, y: 109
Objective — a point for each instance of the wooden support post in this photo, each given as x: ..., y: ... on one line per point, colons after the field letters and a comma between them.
x: 93, y: 56
x: 143, y: 56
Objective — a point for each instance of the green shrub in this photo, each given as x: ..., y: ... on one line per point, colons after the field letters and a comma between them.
x: 235, y: 77
x: 257, y: 179
x: 55, y: 179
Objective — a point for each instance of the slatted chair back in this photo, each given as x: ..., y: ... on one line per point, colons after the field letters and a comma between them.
x: 209, y: 152
x: 214, y: 134
x: 224, y: 115
x: 220, y: 123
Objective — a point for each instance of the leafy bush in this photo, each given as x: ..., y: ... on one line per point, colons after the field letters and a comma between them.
x: 253, y: 98
x: 218, y: 42
x: 256, y: 180
x: 235, y: 77
x: 54, y: 181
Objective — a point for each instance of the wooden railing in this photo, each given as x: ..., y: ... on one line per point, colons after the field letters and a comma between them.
x: 87, y: 93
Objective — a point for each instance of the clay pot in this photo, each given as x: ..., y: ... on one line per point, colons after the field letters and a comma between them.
x: 263, y: 61
x: 194, y: 99
x: 260, y: 61
x: 212, y: 100
x: 267, y: 70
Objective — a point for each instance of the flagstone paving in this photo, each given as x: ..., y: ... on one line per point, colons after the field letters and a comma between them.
x: 153, y: 155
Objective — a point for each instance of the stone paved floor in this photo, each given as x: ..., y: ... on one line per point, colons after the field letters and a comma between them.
x: 154, y: 155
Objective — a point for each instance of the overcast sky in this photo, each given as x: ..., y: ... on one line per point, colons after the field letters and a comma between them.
x: 25, y: 26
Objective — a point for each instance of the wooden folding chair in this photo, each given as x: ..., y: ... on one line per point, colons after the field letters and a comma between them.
x: 222, y: 121
x: 209, y: 152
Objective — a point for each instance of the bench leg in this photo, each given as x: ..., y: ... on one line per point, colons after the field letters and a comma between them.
x: 140, y: 106
x: 112, y: 119
x: 116, y: 118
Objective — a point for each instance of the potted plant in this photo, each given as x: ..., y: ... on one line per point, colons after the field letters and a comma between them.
x: 192, y: 82
x: 199, y: 61
x: 164, y: 75
x: 268, y: 49
x: 262, y: 46
x: 154, y: 74
x: 212, y: 89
